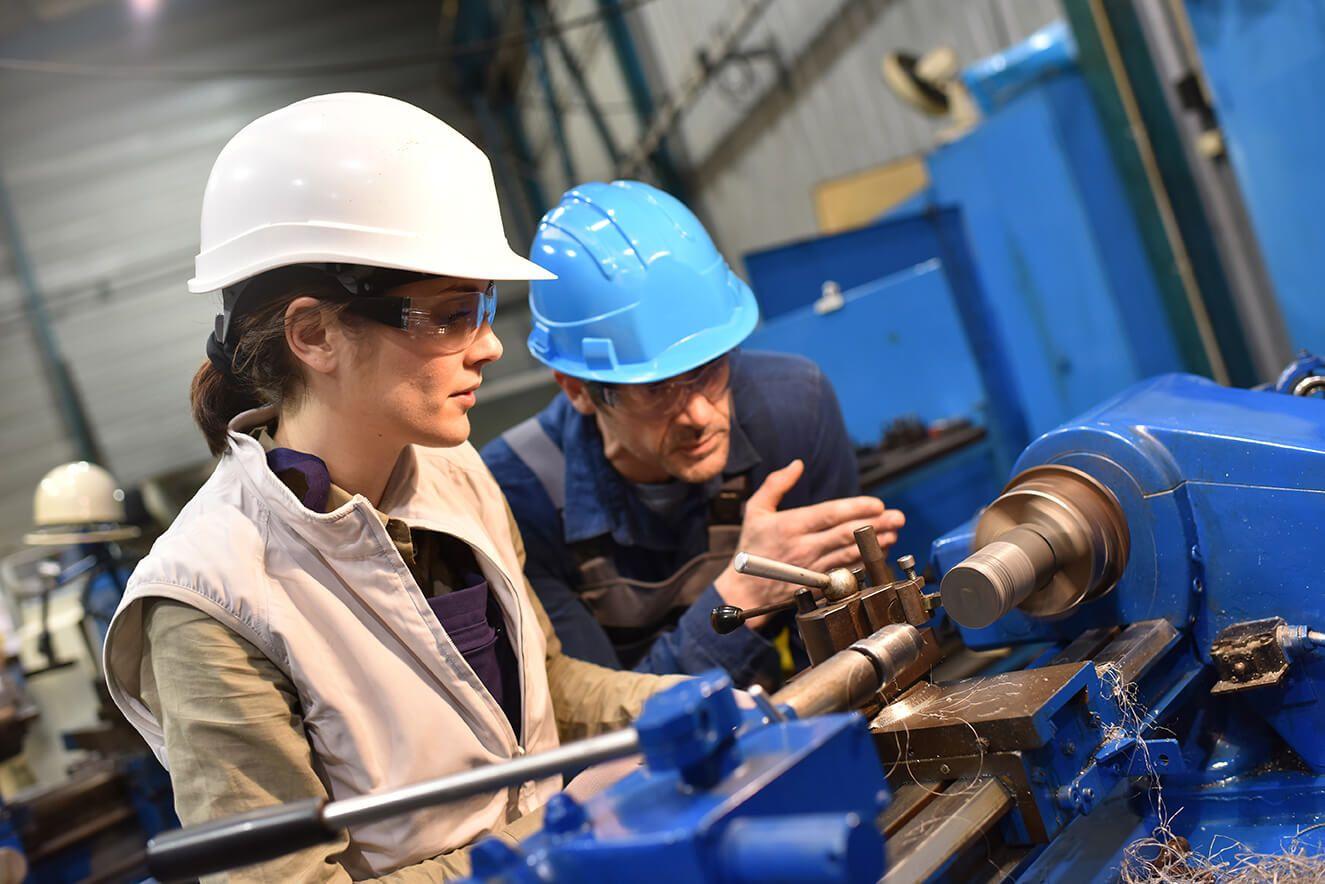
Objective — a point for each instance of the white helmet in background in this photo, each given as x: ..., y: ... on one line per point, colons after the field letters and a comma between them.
x: 78, y: 503
x: 353, y: 178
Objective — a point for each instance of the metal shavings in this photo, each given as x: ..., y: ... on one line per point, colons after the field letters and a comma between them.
x: 1168, y: 858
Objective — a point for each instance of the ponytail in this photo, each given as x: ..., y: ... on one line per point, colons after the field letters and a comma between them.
x: 216, y: 399
x: 262, y: 369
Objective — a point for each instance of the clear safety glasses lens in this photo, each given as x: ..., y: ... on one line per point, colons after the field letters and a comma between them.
x: 451, y: 320
x: 710, y: 380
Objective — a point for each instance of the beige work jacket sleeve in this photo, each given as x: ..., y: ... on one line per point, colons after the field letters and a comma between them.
x: 235, y: 740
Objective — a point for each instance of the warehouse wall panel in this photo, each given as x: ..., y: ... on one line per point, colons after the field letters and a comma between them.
x: 756, y: 146
x: 106, y: 177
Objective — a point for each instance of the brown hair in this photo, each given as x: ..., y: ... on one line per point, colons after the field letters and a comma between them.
x: 263, y: 370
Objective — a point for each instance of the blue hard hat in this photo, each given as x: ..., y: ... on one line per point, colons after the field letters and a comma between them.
x: 641, y: 293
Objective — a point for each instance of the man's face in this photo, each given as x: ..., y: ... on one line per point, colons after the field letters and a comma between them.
x: 677, y: 429
x: 691, y: 445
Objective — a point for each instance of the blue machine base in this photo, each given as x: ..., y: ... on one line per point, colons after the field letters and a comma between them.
x: 1265, y: 816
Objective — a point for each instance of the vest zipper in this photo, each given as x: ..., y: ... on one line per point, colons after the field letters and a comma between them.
x: 407, y: 577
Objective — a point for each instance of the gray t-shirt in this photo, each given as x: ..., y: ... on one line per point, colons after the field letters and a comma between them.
x: 665, y: 500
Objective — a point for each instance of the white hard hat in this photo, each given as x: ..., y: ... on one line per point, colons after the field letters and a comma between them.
x: 353, y: 178
x: 78, y: 503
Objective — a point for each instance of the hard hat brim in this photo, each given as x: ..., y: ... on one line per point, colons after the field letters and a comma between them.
x: 274, y: 246
x: 69, y: 535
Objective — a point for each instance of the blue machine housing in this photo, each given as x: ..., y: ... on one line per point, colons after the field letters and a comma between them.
x: 1222, y: 490
x: 1055, y: 241
x: 723, y: 798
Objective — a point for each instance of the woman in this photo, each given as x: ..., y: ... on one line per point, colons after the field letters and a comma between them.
x: 341, y: 609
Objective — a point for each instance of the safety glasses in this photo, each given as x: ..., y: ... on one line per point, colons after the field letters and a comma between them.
x: 666, y: 398
x: 451, y: 320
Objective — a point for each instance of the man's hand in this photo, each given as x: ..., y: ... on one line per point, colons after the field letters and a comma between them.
x: 817, y: 536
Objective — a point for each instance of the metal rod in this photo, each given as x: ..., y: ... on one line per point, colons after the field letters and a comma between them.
x: 871, y: 555
x: 849, y: 678
x: 776, y: 607
x: 481, y: 780
x: 758, y: 566
x: 268, y: 832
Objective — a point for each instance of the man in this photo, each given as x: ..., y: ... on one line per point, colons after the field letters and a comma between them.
x: 668, y: 449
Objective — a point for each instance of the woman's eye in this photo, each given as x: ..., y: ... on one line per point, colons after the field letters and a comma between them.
x: 452, y: 318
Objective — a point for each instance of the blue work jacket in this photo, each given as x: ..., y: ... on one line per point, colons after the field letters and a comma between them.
x: 783, y: 408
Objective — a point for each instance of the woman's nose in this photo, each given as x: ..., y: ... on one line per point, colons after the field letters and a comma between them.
x: 486, y: 347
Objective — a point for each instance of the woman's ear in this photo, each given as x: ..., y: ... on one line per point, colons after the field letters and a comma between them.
x: 577, y: 391
x: 307, y: 335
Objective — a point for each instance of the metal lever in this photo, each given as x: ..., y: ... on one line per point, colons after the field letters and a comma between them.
x: 836, y: 585
x: 729, y: 618
x: 771, y: 569
x: 186, y: 854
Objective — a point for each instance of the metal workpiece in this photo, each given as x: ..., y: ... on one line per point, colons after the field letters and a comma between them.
x: 1054, y: 539
x: 851, y: 677
x: 836, y: 584
x: 997, y: 577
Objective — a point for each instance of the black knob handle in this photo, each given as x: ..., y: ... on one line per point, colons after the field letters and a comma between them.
x: 726, y: 618
x: 729, y: 618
